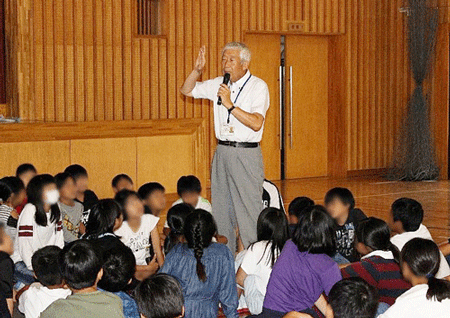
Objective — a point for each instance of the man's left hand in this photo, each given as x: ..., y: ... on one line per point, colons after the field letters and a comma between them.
x: 225, y: 94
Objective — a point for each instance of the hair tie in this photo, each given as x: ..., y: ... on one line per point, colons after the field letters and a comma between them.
x: 429, y: 276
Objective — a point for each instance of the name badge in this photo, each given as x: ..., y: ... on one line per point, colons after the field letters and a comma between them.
x: 227, y: 130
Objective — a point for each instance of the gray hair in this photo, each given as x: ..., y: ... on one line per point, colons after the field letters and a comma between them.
x: 244, y: 50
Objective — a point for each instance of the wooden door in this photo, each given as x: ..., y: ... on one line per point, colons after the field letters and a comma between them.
x: 265, y: 64
x: 306, y: 107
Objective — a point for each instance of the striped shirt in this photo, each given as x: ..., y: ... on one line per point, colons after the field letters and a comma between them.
x: 381, y: 272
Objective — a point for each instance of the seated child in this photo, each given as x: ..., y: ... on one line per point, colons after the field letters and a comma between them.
x: 139, y: 232
x: 122, y: 181
x: 175, y: 219
x: 8, y: 209
x: 254, y: 272
x: 39, y: 225
x: 153, y: 195
x: 407, y: 217
x: 295, y: 209
x: 340, y: 204
x: 379, y: 265
x: 50, y: 285
x: 272, y: 196
x: 160, y: 296
x: 6, y: 270
x: 304, y: 270
x: 204, y: 269
x: 81, y: 269
x: 189, y: 189
x: 85, y: 196
x: 71, y: 210
x: 25, y: 172
x: 429, y: 296
x: 118, y: 270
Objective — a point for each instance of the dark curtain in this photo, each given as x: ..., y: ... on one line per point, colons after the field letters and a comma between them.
x: 2, y: 54
x: 414, y: 155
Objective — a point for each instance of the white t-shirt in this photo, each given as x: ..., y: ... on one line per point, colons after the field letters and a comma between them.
x: 140, y: 241
x: 414, y: 304
x: 201, y: 204
x: 32, y: 236
x: 253, y: 98
x: 400, y: 240
x: 257, y: 261
x: 38, y: 297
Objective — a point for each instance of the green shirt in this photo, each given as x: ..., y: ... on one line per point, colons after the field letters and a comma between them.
x: 93, y: 305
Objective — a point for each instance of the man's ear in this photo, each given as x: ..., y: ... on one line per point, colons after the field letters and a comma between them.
x: 329, y: 313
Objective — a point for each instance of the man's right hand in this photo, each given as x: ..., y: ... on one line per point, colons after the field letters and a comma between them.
x: 201, y: 60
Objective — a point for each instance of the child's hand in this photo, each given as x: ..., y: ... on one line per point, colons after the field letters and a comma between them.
x: 153, y: 266
x: 14, y: 214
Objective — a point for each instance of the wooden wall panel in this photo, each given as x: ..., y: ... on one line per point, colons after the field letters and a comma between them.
x: 47, y: 156
x: 378, y: 78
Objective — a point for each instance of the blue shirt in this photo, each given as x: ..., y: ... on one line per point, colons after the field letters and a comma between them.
x: 202, y: 298
x: 130, y: 308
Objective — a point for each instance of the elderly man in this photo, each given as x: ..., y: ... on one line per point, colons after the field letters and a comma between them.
x: 237, y: 170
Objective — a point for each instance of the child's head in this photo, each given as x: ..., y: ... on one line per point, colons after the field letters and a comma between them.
x: 407, y: 215
x: 176, y: 217
x: 122, y: 181
x: 420, y: 261
x: 5, y: 193
x: 153, y: 196
x: 66, y: 186
x: 42, y: 193
x: 189, y: 189
x: 131, y: 204
x: 119, y: 266
x: 18, y: 192
x: 352, y: 298
x: 6, y: 244
x: 373, y: 234
x: 81, y: 265
x: 273, y: 226
x: 297, y: 206
x: 80, y: 175
x: 199, y: 229
x: 46, y: 267
x: 26, y: 172
x: 104, y: 217
x: 315, y: 232
x: 160, y: 296
x: 339, y: 202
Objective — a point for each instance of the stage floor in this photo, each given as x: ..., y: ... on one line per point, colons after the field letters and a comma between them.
x: 375, y: 195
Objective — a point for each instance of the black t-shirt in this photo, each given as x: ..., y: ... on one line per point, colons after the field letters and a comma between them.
x: 6, y: 275
x: 90, y: 199
x: 345, y: 235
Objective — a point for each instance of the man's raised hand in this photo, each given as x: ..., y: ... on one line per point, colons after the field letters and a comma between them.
x: 201, y: 60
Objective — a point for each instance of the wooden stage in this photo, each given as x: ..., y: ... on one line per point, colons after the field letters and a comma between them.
x: 374, y: 195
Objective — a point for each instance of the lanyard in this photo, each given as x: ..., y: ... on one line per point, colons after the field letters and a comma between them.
x: 239, y: 93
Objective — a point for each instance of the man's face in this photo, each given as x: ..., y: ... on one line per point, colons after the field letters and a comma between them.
x: 231, y: 63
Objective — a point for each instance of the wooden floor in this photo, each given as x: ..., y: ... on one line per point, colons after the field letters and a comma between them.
x: 375, y: 195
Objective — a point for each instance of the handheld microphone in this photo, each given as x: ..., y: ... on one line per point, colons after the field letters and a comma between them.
x: 226, y: 79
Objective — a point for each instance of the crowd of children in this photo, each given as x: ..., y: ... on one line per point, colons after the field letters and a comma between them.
x: 65, y: 253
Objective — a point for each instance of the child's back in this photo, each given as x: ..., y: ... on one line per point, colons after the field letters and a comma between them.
x: 95, y: 304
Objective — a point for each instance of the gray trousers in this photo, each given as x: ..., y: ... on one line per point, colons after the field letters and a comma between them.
x: 236, y: 189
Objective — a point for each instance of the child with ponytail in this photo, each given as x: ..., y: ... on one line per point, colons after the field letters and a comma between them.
x: 429, y: 296
x: 379, y: 263
x: 204, y: 269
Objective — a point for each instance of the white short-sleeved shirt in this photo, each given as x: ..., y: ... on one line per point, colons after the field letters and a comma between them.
x: 400, y: 240
x: 257, y: 261
x: 254, y: 98
x: 414, y: 304
x: 139, y: 242
x: 38, y: 297
x: 202, y: 204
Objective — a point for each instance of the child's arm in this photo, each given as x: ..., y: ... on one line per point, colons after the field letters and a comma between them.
x: 145, y: 271
x: 445, y: 249
x: 156, y: 243
x: 322, y: 304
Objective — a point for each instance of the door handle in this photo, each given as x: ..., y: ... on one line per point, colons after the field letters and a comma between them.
x: 290, y: 106
x: 280, y: 77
